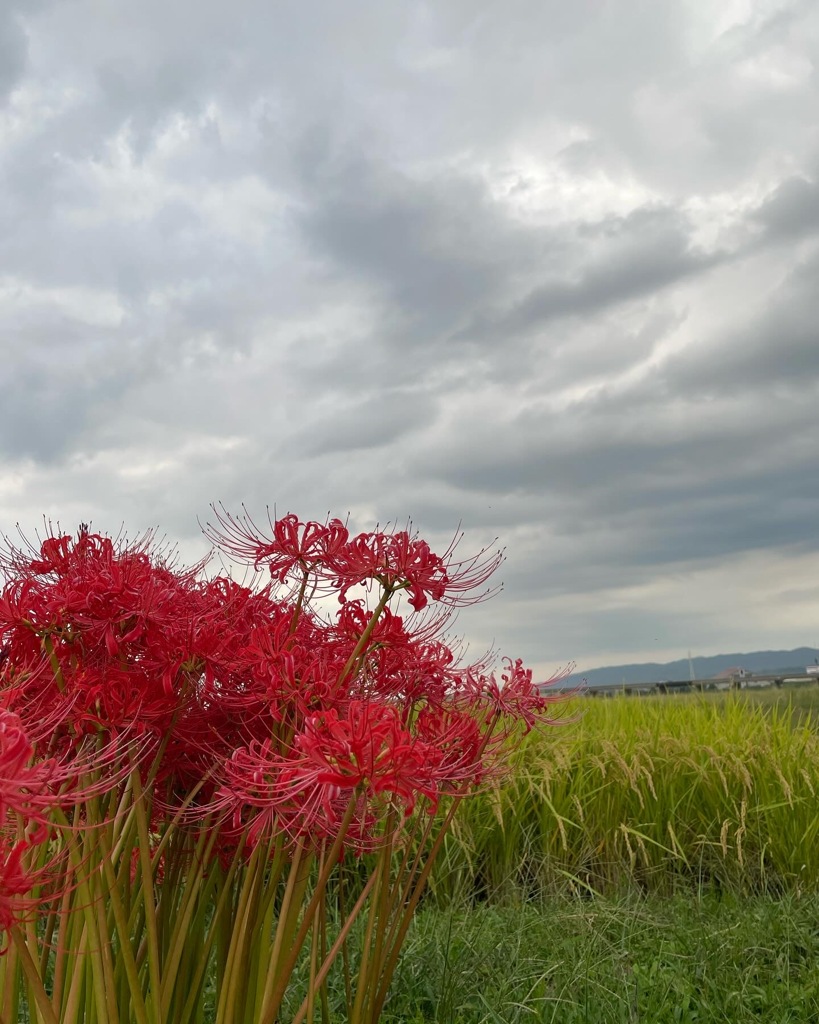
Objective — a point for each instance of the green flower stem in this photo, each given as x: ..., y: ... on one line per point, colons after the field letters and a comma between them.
x: 181, y: 932
x: 83, y: 865
x: 274, y: 994
x: 339, y: 944
x: 55, y: 664
x: 236, y: 954
x: 124, y: 825
x: 416, y: 882
x: 311, y: 984
x: 29, y: 934
x: 363, y: 640
x: 69, y: 1011
x: 318, y: 948
x: 146, y: 873
x: 299, y: 601
x: 173, y: 823
x: 322, y: 985
x: 11, y: 985
x: 191, y: 1003
x: 262, y: 952
x: 380, y: 908
x: 106, y: 960
x: 398, y: 930
x: 386, y: 909
x: 125, y: 950
x: 281, y: 966
x: 49, y: 930
x: 35, y: 983
x: 345, y: 953
x: 69, y: 938
x: 357, y: 1012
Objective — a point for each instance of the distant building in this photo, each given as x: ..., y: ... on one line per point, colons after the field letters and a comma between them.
x: 732, y: 673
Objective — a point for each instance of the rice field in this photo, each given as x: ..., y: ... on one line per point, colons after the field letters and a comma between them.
x: 655, y: 861
x: 717, y: 791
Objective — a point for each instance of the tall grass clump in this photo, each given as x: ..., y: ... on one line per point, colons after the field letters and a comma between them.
x: 652, y: 793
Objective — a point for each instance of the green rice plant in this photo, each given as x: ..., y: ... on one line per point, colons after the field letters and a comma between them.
x: 647, y: 792
x: 802, y: 698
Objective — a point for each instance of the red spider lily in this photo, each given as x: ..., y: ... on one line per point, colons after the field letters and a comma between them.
x: 273, y: 694
x: 307, y: 789
x: 397, y: 561
x: 293, y: 545
x: 54, y: 555
x: 468, y: 576
x: 368, y: 747
x: 16, y: 881
x: 397, y: 662
x: 419, y: 675
x: 24, y: 788
x: 255, y: 801
x: 460, y: 745
x: 353, y: 617
x: 32, y: 788
x: 104, y: 633
x: 187, y: 705
x: 515, y: 697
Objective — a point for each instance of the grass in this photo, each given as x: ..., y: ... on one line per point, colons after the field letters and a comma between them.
x: 683, y: 960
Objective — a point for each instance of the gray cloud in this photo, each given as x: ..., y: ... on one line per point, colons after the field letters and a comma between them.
x: 547, y: 269
x: 366, y: 423
x: 775, y: 352
x: 636, y: 255
x: 430, y: 249
x: 792, y: 210
x: 13, y: 50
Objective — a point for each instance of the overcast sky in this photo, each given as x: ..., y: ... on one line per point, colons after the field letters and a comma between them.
x: 546, y: 269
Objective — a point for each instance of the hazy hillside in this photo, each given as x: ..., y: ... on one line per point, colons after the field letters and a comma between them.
x: 704, y: 668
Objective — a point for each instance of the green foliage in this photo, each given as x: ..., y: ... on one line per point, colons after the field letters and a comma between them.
x: 655, y: 792
x: 679, y: 960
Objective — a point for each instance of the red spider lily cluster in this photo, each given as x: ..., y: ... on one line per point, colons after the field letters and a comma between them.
x: 23, y: 795
x: 320, y: 709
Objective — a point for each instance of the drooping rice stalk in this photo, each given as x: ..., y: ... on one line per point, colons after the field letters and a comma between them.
x: 652, y: 792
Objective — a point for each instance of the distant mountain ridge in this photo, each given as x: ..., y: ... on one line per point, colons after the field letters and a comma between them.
x: 704, y: 668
